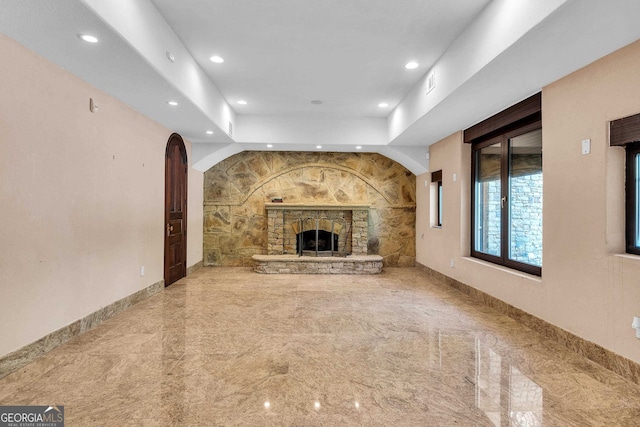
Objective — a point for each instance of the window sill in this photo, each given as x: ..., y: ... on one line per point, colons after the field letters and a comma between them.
x: 633, y: 257
x: 507, y: 270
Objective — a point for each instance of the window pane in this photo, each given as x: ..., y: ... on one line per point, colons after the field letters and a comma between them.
x: 637, y: 191
x: 525, y: 198
x: 487, y: 200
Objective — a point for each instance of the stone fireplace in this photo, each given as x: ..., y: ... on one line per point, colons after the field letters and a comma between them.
x: 345, y: 225
x: 286, y: 221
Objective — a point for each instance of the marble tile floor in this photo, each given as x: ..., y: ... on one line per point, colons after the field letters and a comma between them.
x: 229, y: 347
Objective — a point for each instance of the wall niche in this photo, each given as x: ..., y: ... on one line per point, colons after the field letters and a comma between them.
x: 236, y: 190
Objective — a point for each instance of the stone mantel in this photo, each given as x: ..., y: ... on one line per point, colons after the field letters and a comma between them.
x: 314, y: 207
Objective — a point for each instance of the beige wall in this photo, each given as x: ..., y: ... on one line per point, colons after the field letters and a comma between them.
x: 588, y: 286
x: 82, y: 199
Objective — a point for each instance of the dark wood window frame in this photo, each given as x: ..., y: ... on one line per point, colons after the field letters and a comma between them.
x: 631, y: 187
x: 436, y: 177
x: 521, y: 118
x: 625, y: 133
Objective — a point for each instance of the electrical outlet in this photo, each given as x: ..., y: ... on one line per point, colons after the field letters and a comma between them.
x: 141, y: 270
x: 452, y: 263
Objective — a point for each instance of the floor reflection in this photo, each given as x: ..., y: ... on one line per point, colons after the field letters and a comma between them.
x: 507, y: 397
x: 228, y: 347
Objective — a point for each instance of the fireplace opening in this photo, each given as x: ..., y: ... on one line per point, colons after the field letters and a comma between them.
x: 321, y: 236
x: 307, y: 241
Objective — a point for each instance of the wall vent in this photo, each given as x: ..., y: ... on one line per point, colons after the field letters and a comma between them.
x: 431, y: 81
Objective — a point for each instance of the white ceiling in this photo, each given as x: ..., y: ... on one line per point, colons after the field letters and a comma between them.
x: 281, y: 55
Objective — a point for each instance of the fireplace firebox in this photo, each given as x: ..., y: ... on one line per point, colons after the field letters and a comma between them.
x: 321, y: 236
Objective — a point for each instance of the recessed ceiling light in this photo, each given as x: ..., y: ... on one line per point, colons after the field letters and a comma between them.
x: 358, y: 147
x: 242, y: 102
x: 209, y: 132
x: 316, y: 102
x: 411, y: 65
x: 172, y: 103
x: 216, y: 59
x: 383, y: 105
x: 88, y: 38
x: 269, y: 145
x: 318, y: 146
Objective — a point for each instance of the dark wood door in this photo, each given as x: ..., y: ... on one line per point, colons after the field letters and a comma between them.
x: 175, y: 210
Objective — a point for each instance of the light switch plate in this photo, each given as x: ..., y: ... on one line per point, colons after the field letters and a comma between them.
x: 586, y: 146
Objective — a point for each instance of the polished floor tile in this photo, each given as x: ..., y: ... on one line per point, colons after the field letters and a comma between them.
x: 229, y: 347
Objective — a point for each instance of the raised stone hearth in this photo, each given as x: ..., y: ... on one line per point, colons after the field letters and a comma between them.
x: 293, y: 264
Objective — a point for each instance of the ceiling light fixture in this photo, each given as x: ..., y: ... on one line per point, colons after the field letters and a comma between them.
x: 269, y: 145
x: 242, y: 102
x: 216, y: 59
x: 209, y: 132
x: 318, y: 146
x: 383, y: 105
x: 172, y: 103
x: 411, y: 65
x: 358, y: 147
x: 88, y: 38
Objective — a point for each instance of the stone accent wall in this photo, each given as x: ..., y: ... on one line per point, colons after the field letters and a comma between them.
x: 236, y: 190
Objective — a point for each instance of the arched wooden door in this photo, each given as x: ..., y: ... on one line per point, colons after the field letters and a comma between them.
x: 175, y: 210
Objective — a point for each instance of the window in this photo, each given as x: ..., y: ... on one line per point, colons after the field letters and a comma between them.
x: 507, y: 199
x: 436, y: 185
x: 625, y: 132
x: 506, y: 196
x: 633, y: 198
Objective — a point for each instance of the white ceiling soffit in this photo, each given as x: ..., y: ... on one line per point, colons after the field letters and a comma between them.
x: 570, y: 37
x: 350, y: 55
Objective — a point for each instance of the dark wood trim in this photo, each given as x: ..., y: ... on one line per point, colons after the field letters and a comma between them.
x: 525, y: 111
x: 624, y: 131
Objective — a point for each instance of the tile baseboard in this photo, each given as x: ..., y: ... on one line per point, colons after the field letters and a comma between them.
x: 31, y: 352
x: 620, y: 365
x: 195, y: 267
